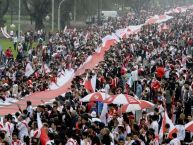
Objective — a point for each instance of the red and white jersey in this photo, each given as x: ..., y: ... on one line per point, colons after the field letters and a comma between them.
x: 71, y: 142
x: 175, y: 141
x: 154, y: 142
x: 18, y: 142
x: 23, y: 129
x: 50, y: 142
x: 1, y: 125
x: 7, y: 127
x: 35, y: 133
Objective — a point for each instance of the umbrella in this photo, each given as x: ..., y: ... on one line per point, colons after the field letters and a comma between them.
x: 121, y: 99
x: 94, y: 97
x: 189, y: 126
x: 134, y: 107
x: 146, y: 104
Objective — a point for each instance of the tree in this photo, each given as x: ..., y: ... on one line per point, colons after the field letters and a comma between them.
x: 38, y: 10
x: 4, y: 5
x: 137, y: 5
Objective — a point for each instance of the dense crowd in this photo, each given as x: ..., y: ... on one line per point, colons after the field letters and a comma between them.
x: 129, y: 67
x: 65, y: 50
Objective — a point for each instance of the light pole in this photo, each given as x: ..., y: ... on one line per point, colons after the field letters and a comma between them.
x: 98, y: 12
x: 59, y: 14
x: 19, y: 19
x: 74, y: 10
x: 52, y: 15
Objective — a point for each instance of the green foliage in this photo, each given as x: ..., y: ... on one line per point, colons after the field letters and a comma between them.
x: 4, y: 4
x: 38, y: 10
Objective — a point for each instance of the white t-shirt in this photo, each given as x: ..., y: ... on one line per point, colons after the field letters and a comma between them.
x: 107, y: 87
x: 128, y: 129
x: 50, y: 142
x: 84, y: 142
x: 175, y: 141
x: 71, y: 142
x: 135, y: 75
x: 11, y: 33
x: 154, y: 125
x: 15, y: 39
x: 167, y: 73
x: 30, y: 110
x: 181, y: 132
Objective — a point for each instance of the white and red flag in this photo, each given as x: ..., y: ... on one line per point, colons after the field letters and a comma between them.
x: 65, y: 29
x: 28, y: 70
x: 172, y: 129
x: 44, y: 139
x: 86, y: 37
x: 45, y: 69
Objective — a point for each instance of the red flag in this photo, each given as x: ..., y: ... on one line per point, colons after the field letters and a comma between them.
x: 44, y: 136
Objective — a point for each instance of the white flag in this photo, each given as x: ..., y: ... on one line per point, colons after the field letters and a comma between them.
x: 65, y: 29
x: 28, y: 70
x: 45, y: 69
x: 86, y: 37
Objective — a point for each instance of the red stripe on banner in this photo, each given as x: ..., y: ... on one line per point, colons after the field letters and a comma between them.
x: 171, y: 132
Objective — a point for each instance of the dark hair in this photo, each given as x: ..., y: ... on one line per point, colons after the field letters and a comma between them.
x: 154, y: 117
x: 151, y: 130
x: 29, y: 103
x: 5, y: 142
x: 14, y: 133
x: 8, y: 117
x: 136, y: 142
x: 85, y: 133
x: 156, y: 110
x: 151, y: 133
x: 2, y: 135
x: 174, y: 135
x: 51, y: 136
x: 129, y: 135
x: 17, y: 114
x: 167, y: 126
x: 180, y: 121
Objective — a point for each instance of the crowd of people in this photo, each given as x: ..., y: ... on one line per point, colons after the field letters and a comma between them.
x: 129, y: 67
